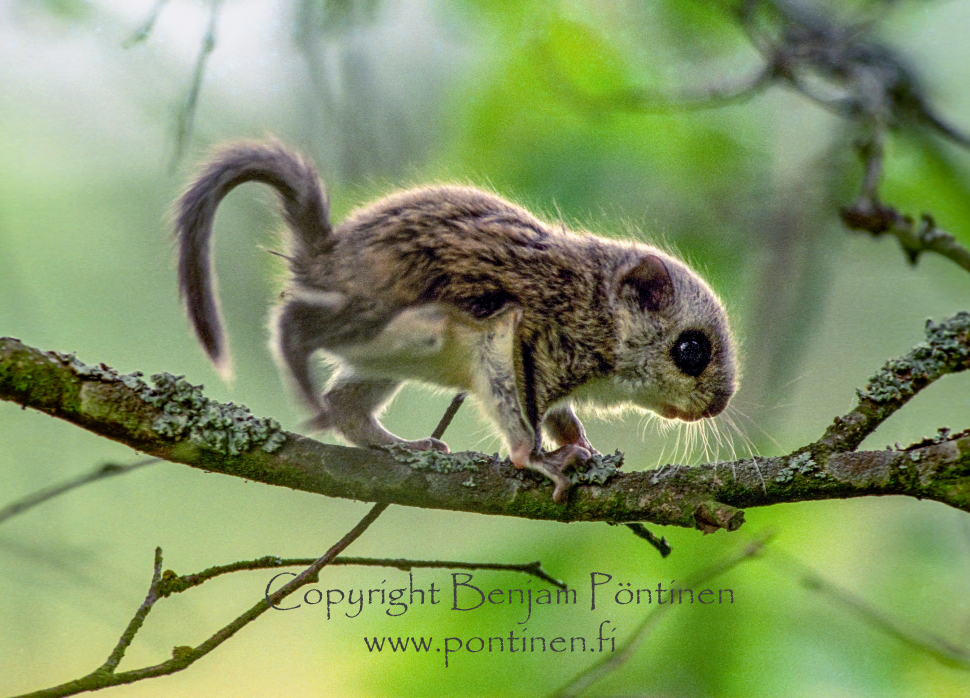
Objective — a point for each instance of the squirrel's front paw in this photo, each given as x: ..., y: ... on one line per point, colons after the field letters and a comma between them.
x: 553, y: 464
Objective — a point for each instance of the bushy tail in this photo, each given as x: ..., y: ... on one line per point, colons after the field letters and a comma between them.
x: 304, y: 206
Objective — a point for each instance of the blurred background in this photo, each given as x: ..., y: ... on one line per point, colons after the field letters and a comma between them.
x: 579, y: 109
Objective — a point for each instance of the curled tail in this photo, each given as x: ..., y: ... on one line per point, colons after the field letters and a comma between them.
x: 304, y: 206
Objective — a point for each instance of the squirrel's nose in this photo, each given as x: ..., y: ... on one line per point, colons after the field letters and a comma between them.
x: 717, y: 404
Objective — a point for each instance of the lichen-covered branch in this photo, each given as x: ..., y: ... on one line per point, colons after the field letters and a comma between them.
x: 946, y: 350
x: 174, y: 421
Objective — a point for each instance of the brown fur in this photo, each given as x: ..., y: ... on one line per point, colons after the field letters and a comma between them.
x: 459, y: 288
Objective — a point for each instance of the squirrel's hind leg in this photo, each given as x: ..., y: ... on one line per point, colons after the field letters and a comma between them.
x: 309, y: 321
x: 351, y: 406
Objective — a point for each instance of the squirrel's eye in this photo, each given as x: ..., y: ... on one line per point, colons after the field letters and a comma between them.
x: 487, y: 304
x: 691, y: 352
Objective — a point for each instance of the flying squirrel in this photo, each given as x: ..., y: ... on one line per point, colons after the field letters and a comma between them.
x: 458, y: 288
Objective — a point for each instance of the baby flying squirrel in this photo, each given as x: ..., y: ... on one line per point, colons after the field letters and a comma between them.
x: 458, y: 288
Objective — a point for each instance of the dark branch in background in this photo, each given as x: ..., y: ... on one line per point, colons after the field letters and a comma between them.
x: 613, y: 660
x: 146, y: 27
x: 176, y: 422
x: 661, y: 544
x: 915, y: 237
x: 844, y: 70
x: 41, y: 496
x: 841, y: 68
x: 186, y: 115
x: 921, y: 640
x: 868, y: 214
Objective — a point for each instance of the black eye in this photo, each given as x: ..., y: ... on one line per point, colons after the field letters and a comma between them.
x: 691, y: 352
x: 487, y: 304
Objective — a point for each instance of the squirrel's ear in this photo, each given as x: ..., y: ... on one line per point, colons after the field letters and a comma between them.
x: 650, y: 281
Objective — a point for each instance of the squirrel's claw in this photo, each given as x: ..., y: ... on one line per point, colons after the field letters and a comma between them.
x: 553, y: 464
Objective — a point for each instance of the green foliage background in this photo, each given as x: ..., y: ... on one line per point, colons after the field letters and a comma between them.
x: 521, y: 98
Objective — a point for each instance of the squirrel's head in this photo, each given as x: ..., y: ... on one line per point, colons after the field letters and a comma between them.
x: 675, y: 355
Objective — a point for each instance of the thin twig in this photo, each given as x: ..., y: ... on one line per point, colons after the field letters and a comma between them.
x: 615, y: 660
x: 661, y: 544
x: 929, y: 643
x: 41, y: 496
x: 946, y: 350
x: 146, y: 27
x: 532, y: 568
x: 915, y: 237
x: 114, y: 659
x: 186, y: 116
x: 308, y: 576
x: 449, y: 414
x: 174, y: 584
x: 184, y: 656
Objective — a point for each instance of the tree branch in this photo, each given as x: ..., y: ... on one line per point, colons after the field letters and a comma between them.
x: 914, y: 237
x: 174, y: 584
x: 915, y: 637
x: 184, y: 656
x: 41, y: 496
x: 614, y: 660
x: 186, y: 115
x: 174, y: 421
x: 947, y: 350
x: 840, y: 67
